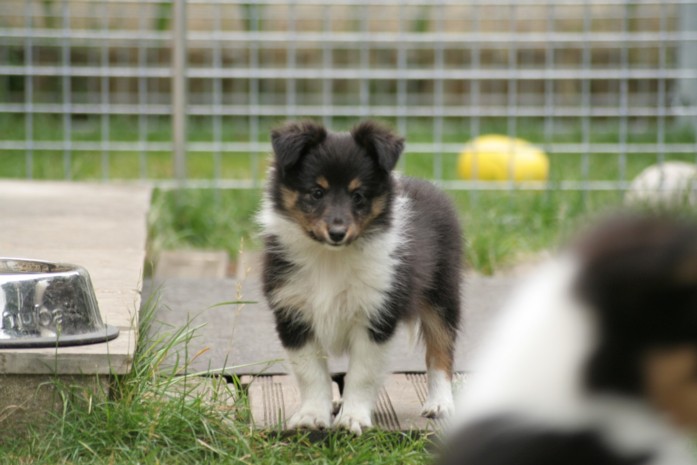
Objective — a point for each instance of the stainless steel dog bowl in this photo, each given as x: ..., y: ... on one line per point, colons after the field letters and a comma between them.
x: 47, y: 304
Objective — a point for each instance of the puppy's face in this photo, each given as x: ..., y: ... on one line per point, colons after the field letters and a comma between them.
x: 335, y: 186
x: 334, y: 210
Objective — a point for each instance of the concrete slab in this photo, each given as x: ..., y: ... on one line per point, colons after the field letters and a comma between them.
x: 101, y: 227
x: 241, y: 338
x: 109, y: 358
x: 26, y: 398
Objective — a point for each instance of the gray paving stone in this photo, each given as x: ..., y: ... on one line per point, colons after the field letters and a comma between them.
x: 241, y: 338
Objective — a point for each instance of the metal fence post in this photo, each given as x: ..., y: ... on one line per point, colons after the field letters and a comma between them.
x: 179, y: 91
x: 688, y: 57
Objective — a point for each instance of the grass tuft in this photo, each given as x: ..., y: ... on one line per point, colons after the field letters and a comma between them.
x: 154, y: 415
x: 503, y: 229
x: 203, y: 219
x: 148, y: 416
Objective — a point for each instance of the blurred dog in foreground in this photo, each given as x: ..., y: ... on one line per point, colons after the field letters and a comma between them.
x: 595, y: 359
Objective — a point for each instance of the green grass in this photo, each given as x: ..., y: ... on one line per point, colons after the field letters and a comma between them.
x: 54, y: 163
x: 204, y: 219
x: 504, y: 229
x: 145, y: 420
x: 501, y: 227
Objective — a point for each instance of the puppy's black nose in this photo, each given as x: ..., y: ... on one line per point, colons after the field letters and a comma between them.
x: 337, y: 234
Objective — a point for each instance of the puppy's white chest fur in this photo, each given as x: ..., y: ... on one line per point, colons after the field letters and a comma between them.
x: 336, y: 290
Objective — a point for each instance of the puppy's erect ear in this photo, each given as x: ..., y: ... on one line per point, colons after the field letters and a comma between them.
x: 294, y: 139
x: 380, y: 143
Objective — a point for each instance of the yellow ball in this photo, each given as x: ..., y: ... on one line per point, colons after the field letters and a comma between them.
x: 494, y: 158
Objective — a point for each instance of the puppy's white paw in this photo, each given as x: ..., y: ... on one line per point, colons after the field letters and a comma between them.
x: 437, y: 408
x: 311, y: 418
x: 440, y: 395
x: 355, y: 422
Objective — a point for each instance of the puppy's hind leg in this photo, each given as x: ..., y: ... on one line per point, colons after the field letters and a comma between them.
x: 439, y: 338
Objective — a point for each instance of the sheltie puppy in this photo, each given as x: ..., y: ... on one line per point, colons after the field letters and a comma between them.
x: 595, y: 359
x: 352, y: 250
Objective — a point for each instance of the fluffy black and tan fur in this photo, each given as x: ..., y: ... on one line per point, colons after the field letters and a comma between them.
x: 352, y: 251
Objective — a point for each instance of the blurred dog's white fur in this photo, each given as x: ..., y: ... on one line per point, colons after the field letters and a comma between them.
x: 543, y: 389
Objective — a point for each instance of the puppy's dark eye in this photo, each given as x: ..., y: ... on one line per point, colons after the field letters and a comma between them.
x: 317, y: 193
x: 358, y: 199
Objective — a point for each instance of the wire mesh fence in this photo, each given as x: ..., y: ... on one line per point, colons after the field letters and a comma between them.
x: 88, y: 89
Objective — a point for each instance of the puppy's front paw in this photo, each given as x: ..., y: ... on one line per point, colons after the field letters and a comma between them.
x: 311, y: 418
x: 439, y: 403
x: 437, y: 408
x: 355, y: 422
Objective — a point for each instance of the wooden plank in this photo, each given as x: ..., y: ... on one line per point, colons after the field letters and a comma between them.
x: 408, y: 400
x: 384, y: 415
x: 273, y: 399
